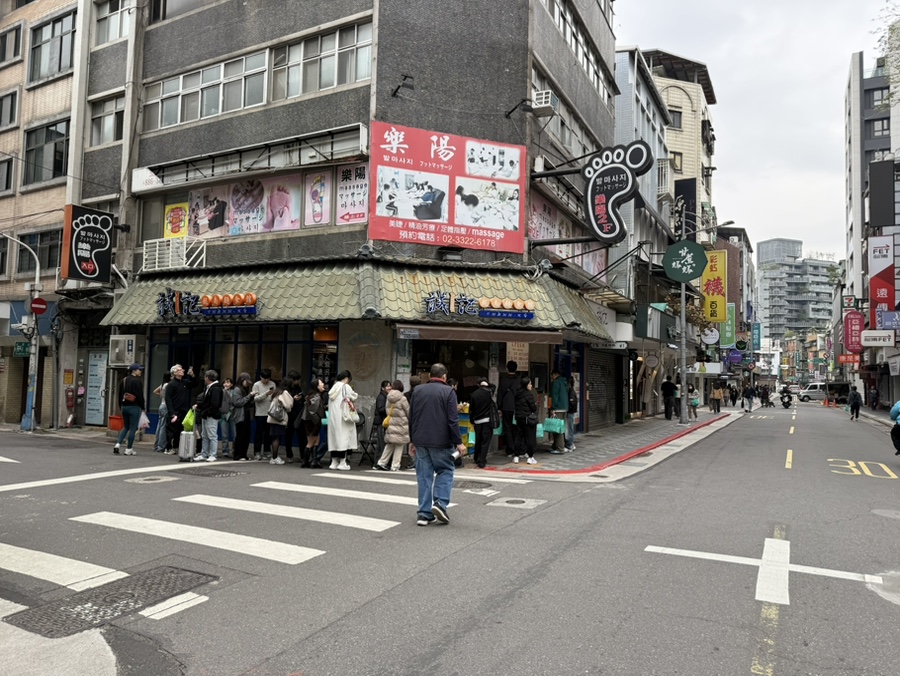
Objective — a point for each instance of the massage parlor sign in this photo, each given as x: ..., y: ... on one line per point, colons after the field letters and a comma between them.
x: 428, y: 187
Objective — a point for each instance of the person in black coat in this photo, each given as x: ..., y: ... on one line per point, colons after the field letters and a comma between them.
x: 506, y: 402
x: 526, y: 421
x: 131, y: 401
x: 178, y: 403
x: 381, y: 414
x: 481, y: 405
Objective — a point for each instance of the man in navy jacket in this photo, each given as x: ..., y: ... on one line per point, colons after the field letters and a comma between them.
x: 436, y: 442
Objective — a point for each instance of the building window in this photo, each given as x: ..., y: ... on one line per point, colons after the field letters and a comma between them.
x: 107, y: 121
x: 677, y: 162
x: 322, y: 62
x: 676, y: 119
x: 46, y: 152
x: 8, y: 109
x: 10, y: 44
x: 22, y: 3
x: 878, y: 97
x: 168, y: 9
x: 46, y: 245
x: 222, y: 88
x: 6, y: 174
x: 4, y: 255
x: 52, y: 47
x: 880, y: 127
x: 576, y: 36
x: 112, y: 20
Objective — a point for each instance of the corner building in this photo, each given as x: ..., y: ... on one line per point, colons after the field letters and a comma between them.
x: 282, y: 167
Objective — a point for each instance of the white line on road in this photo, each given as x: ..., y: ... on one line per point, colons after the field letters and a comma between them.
x: 77, y: 575
x: 370, y: 478
x: 242, y: 544
x: 2, y: 459
x: 340, y: 493
x: 173, y: 605
x: 772, y: 580
x: 333, y: 518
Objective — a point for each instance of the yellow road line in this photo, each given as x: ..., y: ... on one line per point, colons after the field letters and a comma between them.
x: 763, y: 663
x: 792, y: 430
x: 790, y: 459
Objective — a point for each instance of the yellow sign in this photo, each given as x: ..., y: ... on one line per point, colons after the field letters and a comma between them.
x: 175, y: 219
x: 714, y: 286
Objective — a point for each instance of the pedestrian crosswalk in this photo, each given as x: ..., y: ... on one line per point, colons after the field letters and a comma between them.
x: 276, y: 499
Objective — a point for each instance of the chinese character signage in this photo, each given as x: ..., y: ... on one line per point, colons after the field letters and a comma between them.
x: 728, y: 335
x: 444, y: 303
x: 684, y: 261
x: 854, y: 323
x: 446, y: 190
x: 86, y: 245
x: 881, y: 278
x: 756, y: 338
x: 611, y: 180
x: 178, y: 304
x: 352, y: 191
x: 175, y: 220
x: 848, y: 359
x: 713, y: 286
x: 546, y: 222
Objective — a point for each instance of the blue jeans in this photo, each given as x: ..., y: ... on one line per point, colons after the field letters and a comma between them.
x: 434, y: 475
x: 131, y: 416
x: 570, y: 430
x: 161, y: 429
x: 209, y: 433
x: 227, y: 430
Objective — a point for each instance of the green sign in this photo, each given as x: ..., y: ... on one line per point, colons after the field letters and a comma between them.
x: 22, y: 350
x: 728, y: 335
x: 684, y: 261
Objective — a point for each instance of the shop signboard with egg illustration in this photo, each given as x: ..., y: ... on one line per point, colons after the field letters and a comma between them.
x: 86, y: 245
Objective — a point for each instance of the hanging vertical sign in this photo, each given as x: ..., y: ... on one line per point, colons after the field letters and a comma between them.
x: 86, y: 245
x: 881, y: 278
x: 756, y: 338
x: 714, y: 287
x: 728, y: 336
x: 854, y: 323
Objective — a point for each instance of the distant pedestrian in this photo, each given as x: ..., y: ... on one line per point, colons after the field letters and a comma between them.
x: 748, y: 394
x: 668, y: 389
x: 208, y: 414
x: 855, y: 401
x: 506, y: 402
x: 262, y: 397
x: 313, y: 414
x: 226, y: 423
x: 242, y: 415
x: 733, y: 395
x: 381, y: 414
x: 873, y: 398
x: 342, y: 435
x: 570, y: 416
x: 481, y: 407
x: 526, y: 421
x: 178, y: 403
x: 693, y: 401
x: 414, y: 382
x: 131, y: 402
x: 161, y: 436
x: 895, y: 430
x: 559, y: 405
x: 435, y: 440
x: 396, y: 434
x: 278, y: 423
x: 716, y: 398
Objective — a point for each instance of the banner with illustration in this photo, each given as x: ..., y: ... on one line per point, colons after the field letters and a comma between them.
x: 175, y: 220
x: 317, y: 195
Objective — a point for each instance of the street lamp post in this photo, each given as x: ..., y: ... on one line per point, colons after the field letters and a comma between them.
x: 32, y: 333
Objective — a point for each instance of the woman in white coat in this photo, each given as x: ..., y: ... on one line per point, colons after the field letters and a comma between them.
x: 341, y: 433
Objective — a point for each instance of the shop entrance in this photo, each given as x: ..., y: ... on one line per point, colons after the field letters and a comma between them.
x: 465, y: 361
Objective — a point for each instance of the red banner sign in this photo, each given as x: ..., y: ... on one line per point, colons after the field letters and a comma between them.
x: 848, y: 359
x: 854, y: 324
x: 446, y: 190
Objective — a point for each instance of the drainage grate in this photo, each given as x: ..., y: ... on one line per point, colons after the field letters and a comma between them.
x: 98, y: 606
x: 464, y: 483
x: 208, y: 471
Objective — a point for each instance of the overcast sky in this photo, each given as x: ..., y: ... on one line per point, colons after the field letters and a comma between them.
x: 779, y: 70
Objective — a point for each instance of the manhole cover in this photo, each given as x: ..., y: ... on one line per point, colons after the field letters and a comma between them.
x: 465, y: 483
x: 208, y: 471
x: 151, y: 479
x: 98, y: 606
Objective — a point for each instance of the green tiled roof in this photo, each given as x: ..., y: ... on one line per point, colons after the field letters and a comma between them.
x: 315, y: 293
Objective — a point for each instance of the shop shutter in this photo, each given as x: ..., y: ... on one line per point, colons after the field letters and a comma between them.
x: 604, y: 387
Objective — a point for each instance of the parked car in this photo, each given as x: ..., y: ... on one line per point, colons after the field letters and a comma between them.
x: 794, y: 389
x: 818, y: 392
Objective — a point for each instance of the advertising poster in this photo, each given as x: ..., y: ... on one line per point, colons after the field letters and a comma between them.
x: 86, y: 245
x: 317, y: 187
x: 246, y: 208
x: 352, y: 194
x: 854, y: 323
x: 881, y: 278
x: 714, y: 286
x: 176, y: 220
x: 446, y: 190
x: 727, y: 338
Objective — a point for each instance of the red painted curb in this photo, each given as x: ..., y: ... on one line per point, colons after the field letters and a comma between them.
x: 614, y: 461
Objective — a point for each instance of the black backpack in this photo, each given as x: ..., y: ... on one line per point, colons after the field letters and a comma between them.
x: 573, y: 401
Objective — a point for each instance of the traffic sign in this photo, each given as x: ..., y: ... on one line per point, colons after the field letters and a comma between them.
x: 21, y: 349
x: 38, y: 306
x: 751, y: 366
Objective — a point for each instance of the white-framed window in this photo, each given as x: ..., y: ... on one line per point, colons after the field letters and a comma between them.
x: 880, y: 127
x: 222, y: 88
x: 46, y: 152
x: 52, y: 47
x: 10, y: 45
x: 6, y: 176
x: 112, y: 20
x: 322, y: 61
x: 107, y: 120
x: 677, y: 162
x: 46, y: 245
x: 675, y: 115
x: 9, y: 109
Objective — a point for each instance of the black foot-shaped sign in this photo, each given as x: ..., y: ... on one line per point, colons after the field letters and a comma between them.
x: 611, y: 177
x: 90, y: 243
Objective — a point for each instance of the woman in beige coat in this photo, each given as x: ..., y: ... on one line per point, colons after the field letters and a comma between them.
x: 277, y: 428
x: 396, y: 436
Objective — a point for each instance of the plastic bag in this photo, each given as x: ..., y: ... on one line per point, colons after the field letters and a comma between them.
x: 144, y: 424
x: 188, y: 422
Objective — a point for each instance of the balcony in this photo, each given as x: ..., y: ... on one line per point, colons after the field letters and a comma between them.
x: 174, y: 253
x: 665, y: 191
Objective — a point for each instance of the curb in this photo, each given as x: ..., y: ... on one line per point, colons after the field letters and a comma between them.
x: 615, y: 461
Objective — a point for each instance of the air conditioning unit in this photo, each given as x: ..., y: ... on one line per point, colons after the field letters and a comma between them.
x: 125, y: 350
x: 544, y: 103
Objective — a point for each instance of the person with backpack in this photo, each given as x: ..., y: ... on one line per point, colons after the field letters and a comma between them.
x: 570, y: 415
x: 277, y: 417
x: 210, y: 412
x: 396, y: 433
x: 895, y: 430
x: 312, y: 416
x: 855, y: 401
x: 482, y: 411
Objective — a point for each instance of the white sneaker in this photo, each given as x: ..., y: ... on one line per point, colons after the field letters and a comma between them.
x: 211, y: 458
x: 276, y: 461
x: 334, y: 463
x: 198, y: 458
x: 344, y: 466
x: 531, y: 461
x: 129, y: 451
x: 516, y: 459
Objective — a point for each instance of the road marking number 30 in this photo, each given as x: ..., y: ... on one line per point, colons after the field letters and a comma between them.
x: 859, y: 468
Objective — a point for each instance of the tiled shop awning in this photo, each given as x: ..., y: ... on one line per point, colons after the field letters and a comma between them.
x: 358, y: 289
x: 309, y: 293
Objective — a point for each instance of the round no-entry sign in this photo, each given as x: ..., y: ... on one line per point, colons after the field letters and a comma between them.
x: 38, y: 306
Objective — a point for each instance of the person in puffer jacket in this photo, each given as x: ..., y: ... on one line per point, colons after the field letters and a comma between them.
x: 396, y: 436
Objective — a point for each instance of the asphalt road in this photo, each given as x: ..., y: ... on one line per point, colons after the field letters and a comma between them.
x: 746, y: 553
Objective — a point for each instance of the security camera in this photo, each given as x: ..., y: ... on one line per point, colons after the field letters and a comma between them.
x: 18, y: 327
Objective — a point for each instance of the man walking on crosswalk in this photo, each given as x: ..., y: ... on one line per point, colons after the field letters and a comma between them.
x: 436, y: 442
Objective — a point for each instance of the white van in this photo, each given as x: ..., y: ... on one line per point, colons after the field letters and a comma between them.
x: 813, y: 391
x: 818, y: 392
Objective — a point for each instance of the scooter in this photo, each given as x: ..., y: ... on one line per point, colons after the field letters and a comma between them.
x: 786, y: 400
